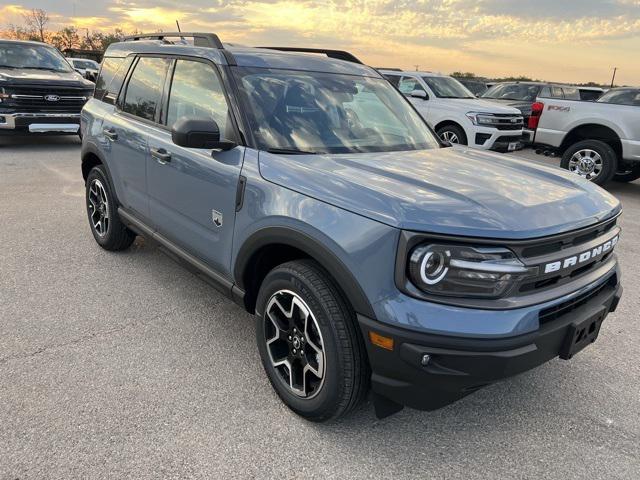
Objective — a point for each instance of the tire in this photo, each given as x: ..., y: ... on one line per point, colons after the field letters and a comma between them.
x: 102, y: 210
x: 627, y: 174
x: 300, y: 293
x: 591, y: 159
x: 454, y: 132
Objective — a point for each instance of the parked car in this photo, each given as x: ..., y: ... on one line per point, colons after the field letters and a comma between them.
x: 598, y: 140
x: 475, y: 86
x: 456, y: 115
x: 312, y: 193
x: 39, y: 91
x: 524, y: 96
x: 85, y: 67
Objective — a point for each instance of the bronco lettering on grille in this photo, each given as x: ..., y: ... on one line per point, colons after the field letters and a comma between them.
x: 582, y: 257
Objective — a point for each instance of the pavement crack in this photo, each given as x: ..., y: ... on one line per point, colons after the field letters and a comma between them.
x: 84, y: 338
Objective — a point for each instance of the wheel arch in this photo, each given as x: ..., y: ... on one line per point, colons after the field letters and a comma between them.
x: 272, y: 246
x: 593, y: 131
x: 448, y: 122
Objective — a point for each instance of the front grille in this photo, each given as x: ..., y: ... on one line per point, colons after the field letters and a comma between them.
x: 508, y: 122
x: 31, y: 99
x: 558, y: 311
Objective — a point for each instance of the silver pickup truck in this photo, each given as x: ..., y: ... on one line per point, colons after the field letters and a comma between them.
x: 600, y: 140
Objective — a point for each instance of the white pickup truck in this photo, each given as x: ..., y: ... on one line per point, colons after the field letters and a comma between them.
x: 598, y: 140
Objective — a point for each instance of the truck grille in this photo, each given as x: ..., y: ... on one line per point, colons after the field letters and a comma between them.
x: 46, y: 99
x: 509, y: 122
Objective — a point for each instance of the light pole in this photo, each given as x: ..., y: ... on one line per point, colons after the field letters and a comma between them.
x: 615, y: 69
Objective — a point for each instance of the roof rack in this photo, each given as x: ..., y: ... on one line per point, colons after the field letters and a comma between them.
x: 337, y: 54
x: 210, y: 40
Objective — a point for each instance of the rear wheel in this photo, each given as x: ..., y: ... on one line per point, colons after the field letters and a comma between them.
x: 627, y: 173
x: 591, y: 159
x: 452, y: 134
x: 107, y: 228
x: 308, y: 342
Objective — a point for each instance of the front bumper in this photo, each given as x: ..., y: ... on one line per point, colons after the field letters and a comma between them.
x: 498, y: 140
x: 40, y: 122
x: 458, y: 366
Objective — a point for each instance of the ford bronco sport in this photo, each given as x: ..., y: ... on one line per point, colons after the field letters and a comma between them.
x: 308, y: 189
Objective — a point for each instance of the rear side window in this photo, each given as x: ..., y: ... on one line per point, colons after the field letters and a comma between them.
x: 144, y: 90
x: 408, y: 85
x: 112, y: 74
x: 393, y: 80
x: 196, y: 92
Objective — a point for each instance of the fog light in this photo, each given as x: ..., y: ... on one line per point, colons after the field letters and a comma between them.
x: 381, y: 341
x: 3, y: 119
x: 425, y: 360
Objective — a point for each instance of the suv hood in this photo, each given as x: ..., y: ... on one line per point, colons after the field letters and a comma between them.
x: 454, y: 191
x: 476, y: 105
x: 42, y: 77
x: 523, y: 105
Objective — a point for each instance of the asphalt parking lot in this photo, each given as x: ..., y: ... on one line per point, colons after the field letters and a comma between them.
x: 125, y: 365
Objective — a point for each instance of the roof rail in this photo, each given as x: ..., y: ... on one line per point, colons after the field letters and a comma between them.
x: 337, y: 54
x: 392, y: 69
x: 210, y: 40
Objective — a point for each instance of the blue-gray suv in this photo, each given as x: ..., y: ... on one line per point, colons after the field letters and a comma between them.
x: 306, y: 188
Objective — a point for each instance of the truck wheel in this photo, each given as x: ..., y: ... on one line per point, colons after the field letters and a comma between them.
x: 309, y: 343
x: 591, y: 159
x: 452, y: 134
x: 107, y: 228
x: 627, y: 174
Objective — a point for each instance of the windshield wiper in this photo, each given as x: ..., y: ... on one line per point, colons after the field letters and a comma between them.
x: 49, y: 69
x: 289, y: 151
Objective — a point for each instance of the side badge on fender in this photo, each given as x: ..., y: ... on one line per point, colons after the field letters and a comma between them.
x: 216, y: 216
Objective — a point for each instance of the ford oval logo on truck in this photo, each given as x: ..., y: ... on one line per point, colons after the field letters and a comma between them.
x: 52, y: 98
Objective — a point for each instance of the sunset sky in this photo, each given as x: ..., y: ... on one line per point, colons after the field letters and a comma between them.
x: 572, y: 41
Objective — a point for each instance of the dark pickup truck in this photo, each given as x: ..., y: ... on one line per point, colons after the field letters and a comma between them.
x: 40, y: 93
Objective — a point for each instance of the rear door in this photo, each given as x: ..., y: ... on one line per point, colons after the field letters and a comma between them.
x: 192, y: 191
x: 127, y: 129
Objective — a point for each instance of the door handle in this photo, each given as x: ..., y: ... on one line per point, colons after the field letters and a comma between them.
x: 160, y: 154
x: 110, y: 133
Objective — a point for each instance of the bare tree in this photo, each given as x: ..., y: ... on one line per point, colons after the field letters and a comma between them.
x: 37, y: 19
x: 66, y: 38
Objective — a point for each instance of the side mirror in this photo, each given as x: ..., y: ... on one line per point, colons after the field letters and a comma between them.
x: 419, y: 94
x: 198, y: 133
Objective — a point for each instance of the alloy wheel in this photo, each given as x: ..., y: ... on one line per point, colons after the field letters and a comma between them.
x: 294, y: 343
x: 587, y: 163
x: 98, y: 207
x: 449, y: 137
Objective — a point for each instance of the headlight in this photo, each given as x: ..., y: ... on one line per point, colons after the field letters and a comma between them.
x: 454, y: 270
x: 487, y: 119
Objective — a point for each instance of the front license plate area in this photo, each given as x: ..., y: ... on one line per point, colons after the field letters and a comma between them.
x: 581, y: 334
x: 513, y: 146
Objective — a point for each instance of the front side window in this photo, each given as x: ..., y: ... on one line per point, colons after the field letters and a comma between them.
x: 308, y: 112
x: 447, y: 87
x: 408, y: 85
x: 630, y: 96
x: 196, y: 92
x: 32, y: 56
x: 144, y: 90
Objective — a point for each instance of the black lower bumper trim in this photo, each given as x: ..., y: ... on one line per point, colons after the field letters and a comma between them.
x: 428, y: 372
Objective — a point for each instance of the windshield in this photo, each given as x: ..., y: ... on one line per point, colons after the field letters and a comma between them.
x: 38, y: 57
x: 625, y: 96
x: 447, y: 87
x: 85, y: 64
x: 513, y: 91
x: 310, y: 112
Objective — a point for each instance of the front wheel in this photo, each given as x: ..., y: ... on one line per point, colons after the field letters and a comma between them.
x: 452, y: 134
x: 591, y: 159
x: 309, y: 345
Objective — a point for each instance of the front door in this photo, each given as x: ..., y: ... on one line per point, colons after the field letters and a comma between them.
x: 192, y: 192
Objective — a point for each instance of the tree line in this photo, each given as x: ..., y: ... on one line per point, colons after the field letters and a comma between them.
x: 35, y: 27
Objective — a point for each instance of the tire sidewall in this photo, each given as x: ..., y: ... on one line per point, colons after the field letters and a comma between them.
x: 99, y: 174
x: 609, y: 159
x: 329, y: 394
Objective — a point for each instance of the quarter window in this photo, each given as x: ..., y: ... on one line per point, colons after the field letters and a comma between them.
x: 196, y: 92
x: 144, y: 90
x: 111, y: 77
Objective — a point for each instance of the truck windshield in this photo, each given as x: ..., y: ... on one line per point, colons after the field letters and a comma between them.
x: 513, y: 91
x: 309, y: 112
x: 447, y: 87
x: 32, y: 56
x: 623, y: 96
